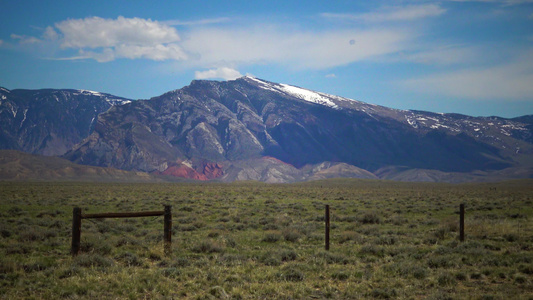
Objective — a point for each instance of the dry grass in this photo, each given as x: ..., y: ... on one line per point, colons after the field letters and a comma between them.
x: 251, y: 240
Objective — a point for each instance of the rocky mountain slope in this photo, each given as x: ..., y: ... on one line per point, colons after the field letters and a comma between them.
x: 49, y: 122
x: 254, y: 129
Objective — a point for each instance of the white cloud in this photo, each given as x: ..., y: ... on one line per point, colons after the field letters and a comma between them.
x: 223, y: 73
x: 97, y: 32
x: 50, y: 34
x: 392, y: 14
x: 156, y: 52
x: 331, y: 75
x: 25, y: 39
x: 296, y: 49
x: 510, y: 81
x: 108, y: 39
x: 105, y: 55
x: 209, y: 47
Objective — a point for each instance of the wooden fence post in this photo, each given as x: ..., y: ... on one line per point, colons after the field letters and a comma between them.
x: 461, y: 222
x: 167, y: 235
x: 327, y: 227
x: 76, y: 230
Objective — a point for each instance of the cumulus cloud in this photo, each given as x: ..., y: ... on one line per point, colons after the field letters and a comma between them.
x: 97, y: 32
x: 391, y: 14
x: 223, y: 73
x: 108, y: 39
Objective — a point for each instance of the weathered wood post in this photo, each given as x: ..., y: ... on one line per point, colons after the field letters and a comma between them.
x: 76, y: 231
x: 327, y: 227
x: 461, y: 222
x: 167, y: 228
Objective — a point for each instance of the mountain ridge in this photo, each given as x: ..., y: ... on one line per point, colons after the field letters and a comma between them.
x: 225, y: 129
x: 49, y: 121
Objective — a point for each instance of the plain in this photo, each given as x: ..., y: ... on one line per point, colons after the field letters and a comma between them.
x: 250, y: 240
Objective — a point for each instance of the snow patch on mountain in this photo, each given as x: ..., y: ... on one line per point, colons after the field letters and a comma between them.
x: 112, y: 101
x: 24, y: 119
x: 294, y: 91
x: 412, y: 122
x: 307, y: 95
x: 90, y: 92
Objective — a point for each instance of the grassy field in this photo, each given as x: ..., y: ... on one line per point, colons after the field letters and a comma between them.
x: 257, y: 241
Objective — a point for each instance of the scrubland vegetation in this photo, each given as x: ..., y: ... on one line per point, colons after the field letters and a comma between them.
x: 258, y: 241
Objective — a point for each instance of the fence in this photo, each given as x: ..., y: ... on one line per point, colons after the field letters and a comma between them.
x: 167, y: 228
x: 77, y: 216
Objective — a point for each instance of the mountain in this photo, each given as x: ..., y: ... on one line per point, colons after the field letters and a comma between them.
x: 49, y: 122
x: 254, y: 129
x: 20, y: 166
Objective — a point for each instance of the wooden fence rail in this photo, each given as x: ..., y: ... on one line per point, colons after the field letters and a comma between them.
x: 167, y: 229
x: 77, y: 216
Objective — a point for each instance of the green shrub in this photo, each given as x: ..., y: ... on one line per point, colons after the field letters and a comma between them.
x: 207, y: 246
x: 7, y: 266
x: 291, y: 273
x: 291, y: 235
x: 92, y: 260
x: 5, y: 232
x: 332, y: 257
x: 370, y: 218
x: 271, y: 236
x: 38, y: 265
x: 446, y: 279
x: 95, y: 244
x: 340, y: 275
x: 383, y: 293
x: 347, y: 236
x: 441, y: 262
x: 130, y: 259
x: 419, y: 272
x: 461, y: 276
x: 228, y: 259
x: 126, y: 240
x: 288, y: 255
x: 386, y: 240
x: 171, y: 272
x: 270, y: 259
x: 70, y: 271
x: 520, y: 279
x: 181, y: 262
x: 526, y: 269
x: 372, y: 249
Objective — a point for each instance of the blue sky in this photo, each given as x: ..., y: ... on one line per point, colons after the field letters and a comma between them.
x: 470, y: 57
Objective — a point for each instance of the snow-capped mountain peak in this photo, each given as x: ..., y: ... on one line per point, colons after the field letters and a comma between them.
x: 294, y: 91
x: 112, y: 100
